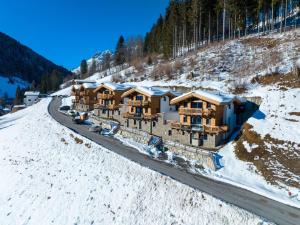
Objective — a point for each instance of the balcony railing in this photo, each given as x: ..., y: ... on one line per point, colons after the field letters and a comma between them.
x: 179, y: 126
x: 132, y: 115
x: 140, y: 116
x: 196, y: 112
x: 138, y: 103
x: 216, y: 129
x: 200, y: 128
x: 104, y: 96
x: 102, y: 106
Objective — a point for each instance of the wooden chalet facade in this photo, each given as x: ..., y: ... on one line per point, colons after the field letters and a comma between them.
x: 206, y: 119
x: 85, y: 98
x: 109, y: 100
x: 143, y: 105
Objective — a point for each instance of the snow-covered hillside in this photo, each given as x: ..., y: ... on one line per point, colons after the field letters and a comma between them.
x: 98, y: 58
x: 9, y: 86
x: 262, y: 66
x: 50, y: 175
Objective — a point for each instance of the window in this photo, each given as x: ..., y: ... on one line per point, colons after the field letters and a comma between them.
x: 182, y: 132
x: 209, y: 105
x: 205, y: 137
x: 185, y: 119
x: 139, y: 97
x: 119, y: 112
x: 170, y: 132
x: 208, y: 121
x: 197, y: 105
x: 134, y: 122
x: 165, y: 99
x: 196, y: 120
x: 185, y: 104
x: 153, y: 124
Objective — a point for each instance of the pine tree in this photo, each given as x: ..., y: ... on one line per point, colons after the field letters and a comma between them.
x: 83, y: 68
x: 120, y: 52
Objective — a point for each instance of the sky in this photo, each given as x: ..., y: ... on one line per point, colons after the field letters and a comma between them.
x: 67, y: 31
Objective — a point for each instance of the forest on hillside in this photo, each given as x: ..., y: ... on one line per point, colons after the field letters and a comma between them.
x: 188, y: 24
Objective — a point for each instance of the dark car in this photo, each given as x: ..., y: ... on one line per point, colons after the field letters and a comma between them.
x: 65, y: 108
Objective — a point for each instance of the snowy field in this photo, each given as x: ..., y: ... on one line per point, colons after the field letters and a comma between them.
x: 50, y: 175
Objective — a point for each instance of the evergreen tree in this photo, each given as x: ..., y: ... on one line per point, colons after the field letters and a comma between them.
x: 33, y: 86
x: 19, y: 96
x: 83, y: 68
x: 120, y: 52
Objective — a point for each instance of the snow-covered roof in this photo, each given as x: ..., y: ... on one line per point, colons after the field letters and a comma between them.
x: 216, y: 97
x: 83, y: 81
x: 117, y: 87
x: 32, y: 93
x: 76, y: 86
x: 153, y: 91
x: 19, y: 106
x: 90, y: 85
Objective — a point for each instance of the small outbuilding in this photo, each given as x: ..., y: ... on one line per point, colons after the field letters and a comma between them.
x: 30, y: 97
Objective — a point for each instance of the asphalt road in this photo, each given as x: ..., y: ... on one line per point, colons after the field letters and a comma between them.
x: 273, y: 211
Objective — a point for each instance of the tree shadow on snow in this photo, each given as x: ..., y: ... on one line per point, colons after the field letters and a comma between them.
x: 259, y: 115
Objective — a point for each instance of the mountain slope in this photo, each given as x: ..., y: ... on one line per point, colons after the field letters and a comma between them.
x: 19, y: 60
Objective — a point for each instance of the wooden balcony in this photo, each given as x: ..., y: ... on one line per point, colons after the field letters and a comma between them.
x: 81, y: 93
x: 104, y: 96
x: 149, y: 116
x: 138, y: 103
x: 200, y: 128
x: 102, y: 106
x: 215, y: 129
x: 196, y: 112
x: 129, y: 115
x: 179, y: 126
x: 140, y: 116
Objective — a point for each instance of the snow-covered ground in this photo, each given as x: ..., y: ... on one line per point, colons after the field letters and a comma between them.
x: 278, y: 112
x: 49, y: 178
x: 6, y: 87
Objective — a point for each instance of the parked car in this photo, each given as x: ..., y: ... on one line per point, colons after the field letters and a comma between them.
x: 77, y: 120
x: 65, y: 108
x: 95, y: 128
x: 73, y: 113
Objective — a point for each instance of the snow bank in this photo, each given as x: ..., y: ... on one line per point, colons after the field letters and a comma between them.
x: 50, y: 179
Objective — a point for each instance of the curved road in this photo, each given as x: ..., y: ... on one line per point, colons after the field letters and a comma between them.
x: 274, y: 211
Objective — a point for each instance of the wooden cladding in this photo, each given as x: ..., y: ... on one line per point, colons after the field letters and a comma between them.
x: 138, y: 103
x: 103, y: 106
x: 129, y: 115
x: 104, y: 96
x: 202, y: 128
x: 196, y: 112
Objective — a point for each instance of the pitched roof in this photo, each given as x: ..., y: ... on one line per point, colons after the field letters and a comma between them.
x: 213, y: 97
x: 151, y: 91
x: 89, y: 85
x: 114, y: 86
x: 32, y: 93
